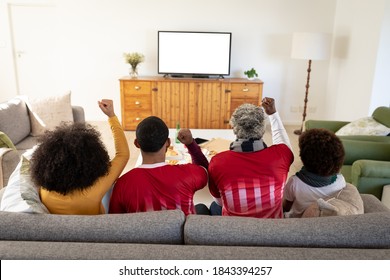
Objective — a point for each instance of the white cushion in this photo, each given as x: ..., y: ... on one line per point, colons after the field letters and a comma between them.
x: 21, y: 195
x: 49, y: 112
x: 364, y: 126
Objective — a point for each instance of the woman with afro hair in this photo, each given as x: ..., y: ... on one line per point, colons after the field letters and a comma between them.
x: 72, y: 166
x: 322, y: 154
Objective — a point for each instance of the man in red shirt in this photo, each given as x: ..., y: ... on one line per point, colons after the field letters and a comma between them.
x: 156, y: 185
x: 248, y: 180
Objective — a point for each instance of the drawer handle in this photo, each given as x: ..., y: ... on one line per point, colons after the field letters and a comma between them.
x: 137, y: 119
x: 137, y: 87
x: 137, y: 103
x: 245, y: 89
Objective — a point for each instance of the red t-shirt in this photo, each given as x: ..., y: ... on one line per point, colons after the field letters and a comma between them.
x: 158, y: 187
x: 251, y: 184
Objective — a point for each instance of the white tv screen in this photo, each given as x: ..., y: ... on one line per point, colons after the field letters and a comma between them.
x: 194, y: 53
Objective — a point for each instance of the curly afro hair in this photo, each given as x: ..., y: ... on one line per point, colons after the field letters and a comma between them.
x: 248, y: 122
x: 321, y: 151
x: 68, y: 158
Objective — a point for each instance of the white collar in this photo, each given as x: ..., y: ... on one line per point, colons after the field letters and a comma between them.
x: 152, y: 165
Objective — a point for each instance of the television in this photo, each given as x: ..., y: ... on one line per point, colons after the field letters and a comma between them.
x: 198, y: 54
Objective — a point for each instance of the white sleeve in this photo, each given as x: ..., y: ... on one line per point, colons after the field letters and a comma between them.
x: 279, y: 134
x: 288, y: 192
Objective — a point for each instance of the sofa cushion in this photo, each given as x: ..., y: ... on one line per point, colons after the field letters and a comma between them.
x: 49, y: 112
x: 164, y: 227
x: 21, y: 195
x: 354, y: 231
x: 27, y: 143
x: 14, y: 119
x: 5, y: 142
x: 364, y: 126
x: 346, y: 202
x: 382, y: 115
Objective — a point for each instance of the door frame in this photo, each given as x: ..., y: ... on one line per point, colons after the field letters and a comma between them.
x: 10, y: 5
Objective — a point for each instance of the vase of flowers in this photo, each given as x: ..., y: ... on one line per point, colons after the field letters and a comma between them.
x: 134, y: 59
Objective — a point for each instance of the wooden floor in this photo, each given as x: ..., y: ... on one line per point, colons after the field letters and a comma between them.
x: 202, y: 195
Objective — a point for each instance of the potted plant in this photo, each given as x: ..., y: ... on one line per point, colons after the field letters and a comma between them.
x: 251, y: 74
x: 134, y: 59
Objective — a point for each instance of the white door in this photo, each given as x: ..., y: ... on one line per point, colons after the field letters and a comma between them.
x: 37, y: 63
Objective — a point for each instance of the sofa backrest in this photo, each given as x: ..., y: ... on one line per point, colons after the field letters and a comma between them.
x: 382, y: 115
x: 369, y: 230
x: 15, y: 120
x: 355, y: 231
x: 162, y: 227
x: 356, y: 149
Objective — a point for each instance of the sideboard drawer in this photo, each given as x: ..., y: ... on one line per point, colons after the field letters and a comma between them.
x: 141, y: 102
x: 136, y: 88
x: 245, y: 91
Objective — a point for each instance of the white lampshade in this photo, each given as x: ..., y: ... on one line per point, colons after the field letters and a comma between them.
x: 313, y: 46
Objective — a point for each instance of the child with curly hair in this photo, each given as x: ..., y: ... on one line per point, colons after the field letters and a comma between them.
x: 73, y: 168
x: 322, y: 154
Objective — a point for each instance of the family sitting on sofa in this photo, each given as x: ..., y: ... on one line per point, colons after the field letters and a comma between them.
x: 76, y: 175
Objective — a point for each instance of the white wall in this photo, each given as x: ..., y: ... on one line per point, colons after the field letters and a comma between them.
x: 381, y: 92
x: 95, y: 33
x: 357, y: 35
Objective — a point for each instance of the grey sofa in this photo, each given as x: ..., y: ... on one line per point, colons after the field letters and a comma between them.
x: 171, y: 235
x: 15, y: 123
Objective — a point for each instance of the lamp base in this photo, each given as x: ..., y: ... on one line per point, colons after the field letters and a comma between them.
x: 298, y: 131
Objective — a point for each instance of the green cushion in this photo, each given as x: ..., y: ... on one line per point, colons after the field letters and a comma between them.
x: 382, y: 115
x: 5, y: 142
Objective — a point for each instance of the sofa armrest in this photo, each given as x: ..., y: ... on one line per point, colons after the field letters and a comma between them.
x: 330, y: 125
x: 372, y: 204
x: 78, y: 114
x: 9, y: 159
x: 369, y: 176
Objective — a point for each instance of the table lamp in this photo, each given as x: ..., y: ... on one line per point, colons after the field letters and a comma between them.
x: 309, y: 46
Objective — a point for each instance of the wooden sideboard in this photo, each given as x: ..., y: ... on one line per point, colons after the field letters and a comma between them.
x: 195, y: 103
